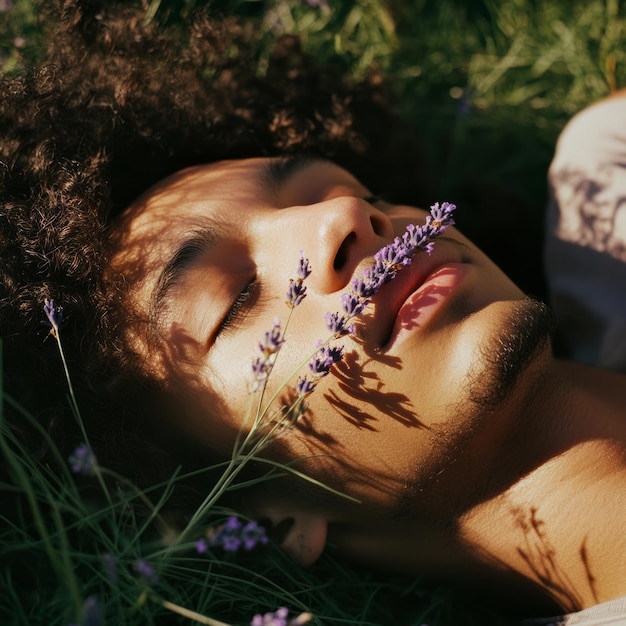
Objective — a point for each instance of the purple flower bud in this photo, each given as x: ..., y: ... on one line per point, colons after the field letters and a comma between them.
x: 253, y: 534
x: 54, y: 313
x: 83, y: 460
x: 262, y: 366
x: 366, y: 287
x: 304, y: 268
x: 297, y: 291
x: 273, y: 340
x: 443, y: 213
x: 92, y: 612
x: 352, y: 304
x: 279, y: 618
x: 232, y: 524
x: 201, y: 546
x: 339, y: 324
x: 145, y: 572
x: 305, y: 386
x: 231, y: 543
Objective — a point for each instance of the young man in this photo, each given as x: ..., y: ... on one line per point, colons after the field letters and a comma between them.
x: 474, y: 454
x: 168, y: 213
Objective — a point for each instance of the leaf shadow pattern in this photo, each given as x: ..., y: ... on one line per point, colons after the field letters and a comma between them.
x: 367, y: 389
x: 540, y: 556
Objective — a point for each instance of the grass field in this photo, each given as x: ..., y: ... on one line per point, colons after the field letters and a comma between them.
x: 486, y: 86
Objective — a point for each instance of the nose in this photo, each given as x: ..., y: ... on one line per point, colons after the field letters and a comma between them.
x: 336, y: 235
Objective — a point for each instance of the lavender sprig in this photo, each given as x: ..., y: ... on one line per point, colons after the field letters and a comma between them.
x: 262, y: 366
x: 297, y: 290
x: 387, y: 262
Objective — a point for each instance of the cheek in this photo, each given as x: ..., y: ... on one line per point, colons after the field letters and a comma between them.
x: 358, y: 435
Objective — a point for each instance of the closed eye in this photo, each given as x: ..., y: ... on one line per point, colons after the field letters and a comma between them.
x: 238, y: 306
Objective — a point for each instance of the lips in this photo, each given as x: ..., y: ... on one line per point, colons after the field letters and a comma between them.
x: 392, y: 296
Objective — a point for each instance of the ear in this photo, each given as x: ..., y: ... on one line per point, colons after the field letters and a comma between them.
x: 305, y: 537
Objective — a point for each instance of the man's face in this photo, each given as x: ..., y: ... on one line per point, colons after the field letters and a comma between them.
x: 418, y: 399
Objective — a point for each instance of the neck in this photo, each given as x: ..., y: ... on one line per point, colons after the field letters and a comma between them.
x: 559, y: 522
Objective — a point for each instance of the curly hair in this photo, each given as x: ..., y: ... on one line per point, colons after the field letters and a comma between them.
x: 115, y: 105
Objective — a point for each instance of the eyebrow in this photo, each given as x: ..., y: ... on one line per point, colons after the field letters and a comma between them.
x: 275, y: 174
x: 278, y: 172
x: 189, y: 250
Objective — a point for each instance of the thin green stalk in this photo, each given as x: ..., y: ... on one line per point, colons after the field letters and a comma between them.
x: 79, y: 419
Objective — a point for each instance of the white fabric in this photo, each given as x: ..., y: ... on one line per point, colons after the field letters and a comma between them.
x: 586, y: 238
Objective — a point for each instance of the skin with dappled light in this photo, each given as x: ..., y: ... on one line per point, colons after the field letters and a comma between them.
x: 470, y: 449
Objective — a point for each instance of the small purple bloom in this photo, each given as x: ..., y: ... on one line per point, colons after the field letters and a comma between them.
x: 262, y: 366
x: 232, y: 524
x: 92, y: 612
x: 54, y: 313
x: 253, y: 534
x: 231, y: 543
x: 324, y: 359
x: 352, y: 304
x: 296, y: 293
x: 273, y: 340
x: 339, y: 324
x: 279, y: 618
x: 201, y: 546
x: 83, y: 460
x: 304, y: 386
x: 442, y: 215
x: 304, y: 267
x: 297, y: 290
x: 233, y: 535
x: 145, y: 572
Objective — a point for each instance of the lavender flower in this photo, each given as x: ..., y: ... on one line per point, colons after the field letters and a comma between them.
x: 54, y: 313
x: 297, y: 290
x: 233, y: 535
x: 279, y: 618
x: 145, y: 572
x: 387, y: 262
x: 262, y: 366
x: 92, y: 612
x: 83, y: 461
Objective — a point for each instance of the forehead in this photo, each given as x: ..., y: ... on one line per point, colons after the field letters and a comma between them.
x: 183, y: 201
